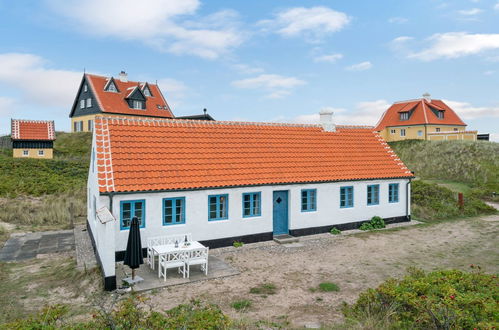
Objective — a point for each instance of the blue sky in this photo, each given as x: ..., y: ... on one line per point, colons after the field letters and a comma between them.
x: 255, y: 60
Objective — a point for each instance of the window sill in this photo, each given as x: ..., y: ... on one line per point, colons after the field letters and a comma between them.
x: 173, y: 224
x: 308, y: 211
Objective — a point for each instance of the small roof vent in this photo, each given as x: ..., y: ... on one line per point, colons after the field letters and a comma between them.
x: 123, y: 76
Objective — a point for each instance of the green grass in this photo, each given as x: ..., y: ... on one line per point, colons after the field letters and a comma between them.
x: 241, y: 305
x: 325, y: 287
x: 264, y: 288
x: 433, y: 202
x: 473, y: 164
x: 24, y: 284
x: 38, y: 192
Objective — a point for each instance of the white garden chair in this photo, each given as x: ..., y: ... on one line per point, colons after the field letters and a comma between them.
x: 152, y: 242
x: 198, y: 257
x: 163, y: 240
x: 172, y: 260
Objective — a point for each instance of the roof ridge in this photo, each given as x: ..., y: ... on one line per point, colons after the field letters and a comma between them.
x: 228, y: 123
x: 111, y: 76
x: 33, y: 121
x: 413, y: 100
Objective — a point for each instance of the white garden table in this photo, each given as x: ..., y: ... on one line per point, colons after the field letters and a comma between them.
x: 168, y: 248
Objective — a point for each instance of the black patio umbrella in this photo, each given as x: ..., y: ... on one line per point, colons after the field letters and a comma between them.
x: 133, y: 253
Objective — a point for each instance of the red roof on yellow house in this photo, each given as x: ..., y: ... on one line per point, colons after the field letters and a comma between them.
x: 115, y: 101
x: 419, y: 112
x: 22, y: 129
x: 152, y: 154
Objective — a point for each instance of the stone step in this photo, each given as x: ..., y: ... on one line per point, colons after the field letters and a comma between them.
x: 285, y: 239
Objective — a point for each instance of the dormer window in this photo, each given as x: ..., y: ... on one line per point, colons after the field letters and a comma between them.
x: 404, y: 115
x: 137, y: 104
x: 440, y: 115
x: 85, y: 88
x: 111, y: 87
x: 147, y: 91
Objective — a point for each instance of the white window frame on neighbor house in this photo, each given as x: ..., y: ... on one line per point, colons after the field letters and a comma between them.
x: 147, y: 92
x: 85, y: 88
x: 456, y: 129
x: 90, y: 125
x: 25, y: 153
x: 404, y: 116
x: 41, y: 152
x: 393, y: 131
x: 137, y: 104
x: 437, y: 129
x: 420, y: 133
x: 89, y: 102
x: 82, y: 104
x: 402, y: 132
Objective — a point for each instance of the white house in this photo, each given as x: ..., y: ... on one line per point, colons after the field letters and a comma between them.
x: 236, y: 181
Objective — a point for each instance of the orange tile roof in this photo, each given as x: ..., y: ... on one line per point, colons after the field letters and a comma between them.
x: 32, y: 130
x: 115, y: 102
x: 143, y: 155
x: 421, y: 114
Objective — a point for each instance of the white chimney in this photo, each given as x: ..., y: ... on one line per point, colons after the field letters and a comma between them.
x: 123, y: 76
x: 326, y: 120
x: 427, y: 97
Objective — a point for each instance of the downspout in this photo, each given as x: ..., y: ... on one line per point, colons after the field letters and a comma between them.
x: 111, y: 194
x: 407, y: 215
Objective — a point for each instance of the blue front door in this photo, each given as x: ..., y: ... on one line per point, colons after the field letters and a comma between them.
x: 280, y: 214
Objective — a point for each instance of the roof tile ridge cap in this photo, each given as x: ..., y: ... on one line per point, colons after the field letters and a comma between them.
x: 109, y: 174
x: 408, y: 101
x: 96, y: 94
x: 424, y: 112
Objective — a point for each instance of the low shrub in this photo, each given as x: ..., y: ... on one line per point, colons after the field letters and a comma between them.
x: 434, y: 202
x: 444, y: 299
x: 335, y: 231
x: 131, y: 314
x: 240, y: 305
x: 264, y: 288
x: 375, y: 223
x: 237, y: 244
x: 329, y: 287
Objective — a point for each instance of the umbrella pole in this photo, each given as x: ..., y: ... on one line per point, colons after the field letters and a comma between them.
x: 133, y: 274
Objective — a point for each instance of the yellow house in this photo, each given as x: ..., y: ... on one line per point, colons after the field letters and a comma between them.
x: 32, y: 138
x: 423, y: 119
x: 115, y: 97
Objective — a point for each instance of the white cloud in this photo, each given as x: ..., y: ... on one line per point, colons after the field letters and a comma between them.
x: 496, y: 6
x: 456, y: 44
x: 494, y: 137
x: 276, y: 86
x: 402, y: 39
x: 467, y: 111
x: 173, y: 90
x: 489, y: 72
x: 331, y: 58
x: 470, y: 12
x: 362, y: 66
x: 7, y: 107
x: 314, y: 22
x: 364, y: 113
x: 37, y: 83
x: 247, y: 69
x: 156, y: 23
x: 398, y: 20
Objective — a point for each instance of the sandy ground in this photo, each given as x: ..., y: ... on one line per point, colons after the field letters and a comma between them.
x: 354, y: 262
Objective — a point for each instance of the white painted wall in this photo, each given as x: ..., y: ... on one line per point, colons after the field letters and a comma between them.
x: 104, y: 234
x: 196, y: 219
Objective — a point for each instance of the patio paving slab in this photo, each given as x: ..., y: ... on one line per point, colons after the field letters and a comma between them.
x: 216, y: 269
x: 22, y: 246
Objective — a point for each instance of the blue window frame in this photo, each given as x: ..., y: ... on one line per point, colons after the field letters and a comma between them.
x: 173, y: 211
x: 218, y: 207
x: 346, y: 197
x: 373, y: 194
x: 308, y: 200
x: 130, y: 209
x: 252, y: 205
x: 393, y: 193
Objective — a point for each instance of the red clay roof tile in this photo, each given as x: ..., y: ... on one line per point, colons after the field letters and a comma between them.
x: 421, y: 114
x: 143, y: 155
x: 114, y: 102
x: 22, y: 129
